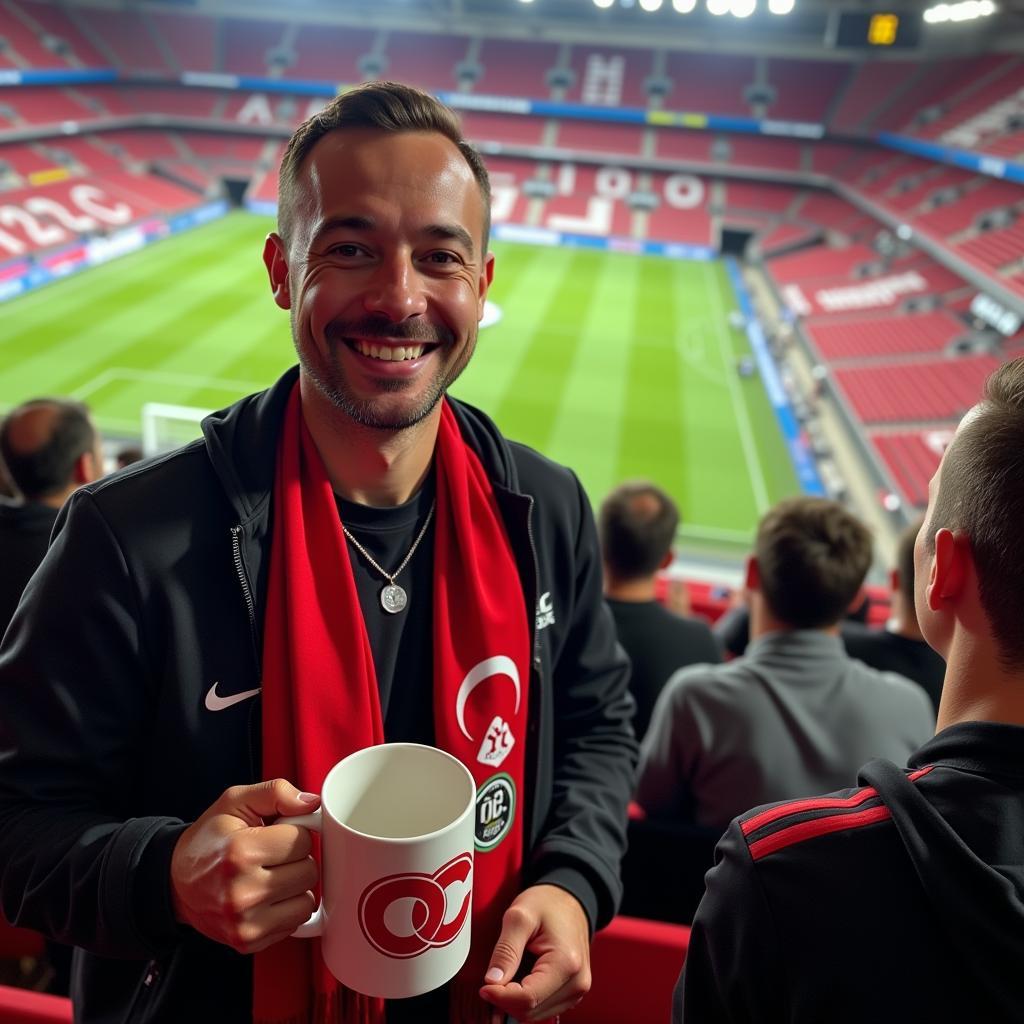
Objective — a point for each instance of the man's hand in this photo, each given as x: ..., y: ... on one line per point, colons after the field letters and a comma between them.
x: 550, y: 923
x: 239, y: 881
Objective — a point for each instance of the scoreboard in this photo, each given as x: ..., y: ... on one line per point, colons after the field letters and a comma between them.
x: 881, y: 30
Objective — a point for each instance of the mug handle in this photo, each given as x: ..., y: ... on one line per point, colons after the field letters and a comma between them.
x: 314, y: 926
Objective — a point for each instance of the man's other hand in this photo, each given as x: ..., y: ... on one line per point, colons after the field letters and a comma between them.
x: 549, y: 923
x: 241, y: 882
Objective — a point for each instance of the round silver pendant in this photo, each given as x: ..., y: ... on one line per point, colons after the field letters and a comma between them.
x: 393, y: 598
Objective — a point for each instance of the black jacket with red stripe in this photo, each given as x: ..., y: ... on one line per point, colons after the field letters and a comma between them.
x: 900, y: 901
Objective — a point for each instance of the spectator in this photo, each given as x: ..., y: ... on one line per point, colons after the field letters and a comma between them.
x: 347, y: 558
x: 637, y: 525
x: 49, y: 448
x: 902, y: 900
x: 899, y: 647
x: 795, y: 716
x: 128, y: 455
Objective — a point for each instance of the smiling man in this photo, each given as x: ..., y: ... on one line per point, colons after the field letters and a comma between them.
x: 902, y: 900
x: 348, y: 558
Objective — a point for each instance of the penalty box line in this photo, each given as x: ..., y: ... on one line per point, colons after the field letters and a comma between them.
x: 121, y: 373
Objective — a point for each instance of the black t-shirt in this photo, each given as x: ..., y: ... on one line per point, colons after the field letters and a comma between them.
x: 402, y: 648
x: 658, y: 642
x: 890, y: 652
x: 401, y: 642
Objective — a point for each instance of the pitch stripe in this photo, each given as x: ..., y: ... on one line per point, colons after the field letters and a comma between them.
x: 750, y: 453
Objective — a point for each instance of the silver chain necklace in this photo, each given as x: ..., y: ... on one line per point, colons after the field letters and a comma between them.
x: 393, y: 598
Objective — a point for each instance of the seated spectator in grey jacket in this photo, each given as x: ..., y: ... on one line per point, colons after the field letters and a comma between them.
x: 637, y: 526
x: 900, y: 646
x: 795, y: 716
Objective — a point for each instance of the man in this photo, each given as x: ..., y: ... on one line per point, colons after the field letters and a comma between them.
x: 902, y: 900
x: 795, y: 716
x: 49, y: 447
x: 899, y: 647
x: 239, y: 630
x: 637, y: 526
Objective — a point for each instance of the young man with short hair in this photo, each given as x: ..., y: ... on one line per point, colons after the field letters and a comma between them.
x: 345, y: 559
x: 901, y: 900
x: 794, y: 716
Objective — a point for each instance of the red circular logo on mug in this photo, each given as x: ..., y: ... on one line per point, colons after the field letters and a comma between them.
x: 424, y: 921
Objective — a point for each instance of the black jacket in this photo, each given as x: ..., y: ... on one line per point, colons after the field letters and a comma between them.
x: 24, y: 535
x: 899, y: 902
x: 153, y: 592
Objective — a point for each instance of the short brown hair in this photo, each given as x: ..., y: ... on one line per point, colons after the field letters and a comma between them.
x: 905, y: 559
x: 812, y: 556
x: 981, y: 492
x: 637, y: 525
x: 388, y: 107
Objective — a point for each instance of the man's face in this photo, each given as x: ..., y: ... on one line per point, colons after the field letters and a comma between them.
x: 385, y: 274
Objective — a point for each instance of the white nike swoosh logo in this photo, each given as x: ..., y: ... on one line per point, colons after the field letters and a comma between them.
x: 214, y: 702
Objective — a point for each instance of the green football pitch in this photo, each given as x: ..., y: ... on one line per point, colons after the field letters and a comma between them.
x: 620, y: 366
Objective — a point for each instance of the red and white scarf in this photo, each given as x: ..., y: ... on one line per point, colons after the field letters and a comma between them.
x: 321, y: 701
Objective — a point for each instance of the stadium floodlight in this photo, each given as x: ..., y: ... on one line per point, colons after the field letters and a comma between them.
x: 743, y: 8
x: 719, y: 7
x: 684, y: 6
x: 603, y: 4
x: 966, y: 10
x: 650, y: 6
x: 781, y: 6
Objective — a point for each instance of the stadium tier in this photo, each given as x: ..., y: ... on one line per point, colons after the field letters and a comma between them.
x: 125, y: 37
x: 249, y: 45
x: 329, y: 53
x: 804, y: 90
x: 912, y: 458
x: 881, y: 337
x: 905, y: 391
x: 606, y: 77
x: 427, y: 61
x: 189, y: 44
x: 513, y: 67
x: 872, y: 84
x: 53, y: 21
x: 623, y: 139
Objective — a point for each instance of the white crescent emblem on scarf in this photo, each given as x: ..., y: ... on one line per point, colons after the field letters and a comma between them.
x: 499, y: 665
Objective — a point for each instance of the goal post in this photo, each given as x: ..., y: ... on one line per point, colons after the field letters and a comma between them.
x: 169, y: 426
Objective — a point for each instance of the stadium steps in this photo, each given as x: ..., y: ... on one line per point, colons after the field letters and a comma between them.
x: 160, y: 42
x: 94, y: 38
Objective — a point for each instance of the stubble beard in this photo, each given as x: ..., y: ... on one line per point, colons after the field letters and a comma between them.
x: 327, y: 375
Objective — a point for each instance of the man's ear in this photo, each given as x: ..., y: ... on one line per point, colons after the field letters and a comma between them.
x: 752, y: 576
x: 948, y: 569
x: 275, y: 259
x: 667, y: 560
x: 85, y: 469
x: 894, y: 580
x: 486, y: 277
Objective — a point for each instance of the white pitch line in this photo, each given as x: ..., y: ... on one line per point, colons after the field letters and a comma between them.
x: 158, y: 377
x: 755, y: 471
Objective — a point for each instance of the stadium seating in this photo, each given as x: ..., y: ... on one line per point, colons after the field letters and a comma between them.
x: 805, y: 89
x: 918, y: 390
x: 24, y: 47
x: 822, y: 262
x: 39, y: 105
x: 1004, y: 80
x: 872, y: 84
x: 54, y: 20
x: 881, y: 337
x: 765, y: 199
x: 428, y: 61
x: 635, y: 965
x: 781, y: 237
x: 993, y: 250
x: 248, y: 45
x: 912, y: 458
x: 507, y: 129
x: 623, y: 139
x: 512, y: 67
x: 330, y: 53
x: 20, y: 1006
x: 607, y: 77
x: 126, y: 37
x: 711, y: 84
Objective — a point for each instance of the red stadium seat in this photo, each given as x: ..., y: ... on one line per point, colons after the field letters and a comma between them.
x: 19, y: 1006
x: 635, y: 965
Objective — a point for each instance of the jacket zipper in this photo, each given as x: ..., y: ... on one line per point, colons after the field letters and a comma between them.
x: 144, y: 992
x: 535, y: 635
x: 236, y: 550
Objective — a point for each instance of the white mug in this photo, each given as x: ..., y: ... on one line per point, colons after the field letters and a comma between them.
x: 396, y: 872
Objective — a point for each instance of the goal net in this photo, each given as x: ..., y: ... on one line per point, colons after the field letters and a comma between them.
x: 169, y: 426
